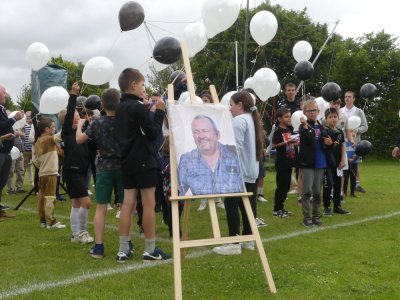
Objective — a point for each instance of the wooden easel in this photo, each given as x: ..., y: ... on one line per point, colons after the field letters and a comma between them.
x: 178, y: 244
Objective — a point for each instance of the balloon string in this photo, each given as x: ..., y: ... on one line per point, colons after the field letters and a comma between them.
x: 162, y: 29
x: 255, y: 60
x: 83, y: 87
x: 113, y: 44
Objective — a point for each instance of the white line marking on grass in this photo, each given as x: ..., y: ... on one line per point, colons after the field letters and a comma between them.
x: 34, y: 287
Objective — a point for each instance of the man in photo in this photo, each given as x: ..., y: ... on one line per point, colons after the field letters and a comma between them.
x: 210, y: 168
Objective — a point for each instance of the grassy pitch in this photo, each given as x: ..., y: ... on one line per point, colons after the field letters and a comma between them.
x: 351, y: 257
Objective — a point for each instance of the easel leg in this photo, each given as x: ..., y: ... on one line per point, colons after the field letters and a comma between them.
x: 185, y: 225
x: 260, y: 246
x: 214, y: 218
x: 24, y: 199
x: 177, y: 252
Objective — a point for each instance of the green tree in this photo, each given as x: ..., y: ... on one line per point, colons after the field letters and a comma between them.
x: 25, y: 98
x: 9, y: 104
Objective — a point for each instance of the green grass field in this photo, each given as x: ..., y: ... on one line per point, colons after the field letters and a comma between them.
x: 352, y: 257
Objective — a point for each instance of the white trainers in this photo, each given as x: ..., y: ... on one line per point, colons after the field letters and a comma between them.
x: 260, y: 198
x: 220, y: 204
x: 57, y: 225
x: 293, y: 191
x: 228, y: 249
x: 118, y: 213
x: 83, y: 238
x: 247, y: 245
x: 43, y: 225
x: 202, y: 206
x: 260, y: 222
x: 90, y: 192
x: 109, y: 207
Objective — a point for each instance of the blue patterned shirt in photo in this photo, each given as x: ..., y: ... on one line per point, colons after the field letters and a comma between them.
x: 195, y: 174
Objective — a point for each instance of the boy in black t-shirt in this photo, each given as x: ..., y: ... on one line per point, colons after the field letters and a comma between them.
x: 336, y: 161
x: 285, y: 144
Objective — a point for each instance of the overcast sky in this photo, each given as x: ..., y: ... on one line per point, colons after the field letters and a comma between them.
x: 79, y: 30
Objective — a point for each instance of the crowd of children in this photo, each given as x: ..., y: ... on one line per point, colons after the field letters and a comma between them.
x: 133, y: 159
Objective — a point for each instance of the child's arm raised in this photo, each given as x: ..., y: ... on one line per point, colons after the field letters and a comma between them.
x: 149, y: 127
x: 69, y: 117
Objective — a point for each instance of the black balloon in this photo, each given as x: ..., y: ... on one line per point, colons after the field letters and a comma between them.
x: 167, y: 50
x: 368, y: 91
x: 331, y: 91
x: 179, y: 75
x: 131, y: 16
x: 304, y: 70
x: 93, y: 102
x: 363, y: 148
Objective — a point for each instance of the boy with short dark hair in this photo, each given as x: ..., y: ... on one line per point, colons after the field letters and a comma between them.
x: 75, y: 166
x: 103, y: 132
x: 285, y: 145
x: 135, y: 132
x: 46, y: 160
x: 336, y: 161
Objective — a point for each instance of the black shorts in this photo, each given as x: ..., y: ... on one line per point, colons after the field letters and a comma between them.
x: 143, y: 180
x: 76, y: 184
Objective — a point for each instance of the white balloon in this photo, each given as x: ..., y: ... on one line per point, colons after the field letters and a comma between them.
x: 53, y: 100
x: 98, y: 70
x: 277, y: 89
x: 37, y: 55
x: 302, y: 50
x: 15, y: 153
x: 195, y: 36
x: 265, y: 82
x: 219, y: 15
x: 197, y: 100
x: 18, y: 124
x: 226, y: 99
x: 322, y: 106
x: 249, y: 83
x: 263, y: 27
x: 157, y: 65
x: 353, y: 122
x: 183, y: 96
x: 295, y: 119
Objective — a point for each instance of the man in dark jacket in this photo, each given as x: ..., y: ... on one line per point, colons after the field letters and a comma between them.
x: 290, y: 102
x: 7, y: 142
x: 135, y: 132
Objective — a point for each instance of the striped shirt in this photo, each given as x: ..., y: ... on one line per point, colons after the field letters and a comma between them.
x: 27, y: 143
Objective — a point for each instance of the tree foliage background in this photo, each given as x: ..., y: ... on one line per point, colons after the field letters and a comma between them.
x: 374, y: 58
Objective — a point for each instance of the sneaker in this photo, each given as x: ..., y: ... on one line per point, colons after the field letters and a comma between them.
x: 228, y: 249
x: 327, y: 212
x: 97, y: 251
x: 220, y: 204
x: 89, y: 192
x: 299, y: 202
x: 293, y: 191
x: 122, y: 256
x: 60, y: 198
x: 83, y: 238
x: 10, y: 192
x: 360, y: 189
x: 260, y: 222
x: 202, y: 206
x: 43, y: 225
x: 260, y: 198
x: 158, y: 254
x: 118, y: 213
x: 341, y: 211
x: 308, y: 223
x: 281, y: 214
x: 317, y: 221
x: 109, y: 207
x: 57, y: 225
x: 247, y: 245
x: 4, y: 207
x: 131, y: 248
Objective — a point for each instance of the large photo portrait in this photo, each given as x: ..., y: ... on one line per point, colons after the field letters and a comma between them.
x: 205, y: 149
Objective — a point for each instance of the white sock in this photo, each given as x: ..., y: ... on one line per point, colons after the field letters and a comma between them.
x: 74, y: 219
x: 260, y: 191
x: 83, y: 218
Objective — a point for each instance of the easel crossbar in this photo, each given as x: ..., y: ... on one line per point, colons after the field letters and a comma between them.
x: 210, y: 196
x: 216, y: 241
